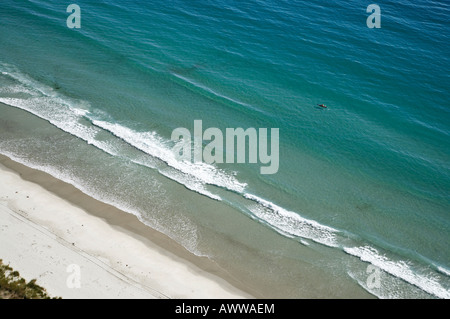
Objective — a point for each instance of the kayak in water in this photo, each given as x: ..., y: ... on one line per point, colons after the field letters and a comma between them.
x: 322, y: 105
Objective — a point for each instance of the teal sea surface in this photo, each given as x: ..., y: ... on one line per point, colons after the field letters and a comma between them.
x: 363, y: 186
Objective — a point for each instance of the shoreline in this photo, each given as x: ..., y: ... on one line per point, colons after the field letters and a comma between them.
x: 50, y: 222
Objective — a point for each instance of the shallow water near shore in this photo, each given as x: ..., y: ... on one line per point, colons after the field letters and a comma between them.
x: 363, y: 182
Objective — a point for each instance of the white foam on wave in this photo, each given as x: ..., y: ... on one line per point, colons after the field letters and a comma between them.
x: 443, y: 270
x: 64, y: 117
x: 292, y: 224
x: 152, y: 144
x: 44, y: 102
x: 400, y: 269
x: 181, y: 178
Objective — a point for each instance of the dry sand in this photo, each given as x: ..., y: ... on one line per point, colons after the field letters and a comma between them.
x: 52, y: 232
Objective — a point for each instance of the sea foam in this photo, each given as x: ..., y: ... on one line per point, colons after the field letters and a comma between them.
x: 428, y: 282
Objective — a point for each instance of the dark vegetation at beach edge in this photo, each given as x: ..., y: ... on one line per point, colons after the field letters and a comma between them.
x: 12, y: 286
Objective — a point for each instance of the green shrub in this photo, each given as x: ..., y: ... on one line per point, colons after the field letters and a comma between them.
x: 12, y: 286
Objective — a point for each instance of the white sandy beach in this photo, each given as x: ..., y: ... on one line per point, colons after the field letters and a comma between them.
x: 42, y: 235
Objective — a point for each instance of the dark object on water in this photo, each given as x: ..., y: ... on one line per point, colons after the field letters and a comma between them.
x: 322, y: 105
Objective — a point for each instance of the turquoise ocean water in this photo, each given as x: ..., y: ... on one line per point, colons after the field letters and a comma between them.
x: 362, y: 183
